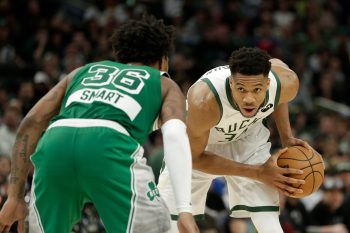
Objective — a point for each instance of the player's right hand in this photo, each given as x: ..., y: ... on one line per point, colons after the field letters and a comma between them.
x: 186, y: 223
x: 12, y: 211
x: 277, y: 177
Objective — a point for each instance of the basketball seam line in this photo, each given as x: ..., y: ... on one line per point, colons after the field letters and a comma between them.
x: 312, y: 169
x: 313, y: 164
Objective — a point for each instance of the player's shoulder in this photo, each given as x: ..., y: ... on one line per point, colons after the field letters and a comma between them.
x: 289, y: 82
x: 168, y: 84
x: 200, y: 94
x: 200, y: 97
x: 219, y: 71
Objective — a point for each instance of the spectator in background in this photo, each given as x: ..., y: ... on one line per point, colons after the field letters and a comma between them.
x: 331, y: 214
x: 293, y: 215
x: 3, y: 99
x: 5, y: 167
x: 26, y: 96
x: 343, y: 170
x: 8, y: 128
x: 7, y: 49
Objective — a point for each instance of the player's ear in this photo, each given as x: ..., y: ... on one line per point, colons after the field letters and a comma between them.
x: 164, y: 64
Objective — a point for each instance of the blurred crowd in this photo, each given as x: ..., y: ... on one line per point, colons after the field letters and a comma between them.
x: 41, y: 41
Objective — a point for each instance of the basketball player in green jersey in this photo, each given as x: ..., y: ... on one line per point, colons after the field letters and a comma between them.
x: 227, y: 108
x: 95, y: 121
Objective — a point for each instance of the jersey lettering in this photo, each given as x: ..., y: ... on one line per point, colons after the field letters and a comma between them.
x: 128, y: 80
x: 101, y: 75
x: 230, y: 138
x: 112, y: 97
x: 131, y: 80
x: 234, y: 131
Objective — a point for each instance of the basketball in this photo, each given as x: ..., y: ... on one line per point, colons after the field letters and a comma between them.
x: 310, y: 161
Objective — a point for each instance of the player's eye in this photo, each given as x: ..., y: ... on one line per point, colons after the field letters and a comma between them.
x: 257, y: 90
x: 240, y: 89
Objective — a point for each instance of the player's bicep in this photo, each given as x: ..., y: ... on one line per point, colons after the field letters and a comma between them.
x: 289, y: 83
x: 201, y: 117
x: 174, y: 105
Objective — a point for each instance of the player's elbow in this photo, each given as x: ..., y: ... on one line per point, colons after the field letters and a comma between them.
x: 174, y: 135
x: 196, y: 160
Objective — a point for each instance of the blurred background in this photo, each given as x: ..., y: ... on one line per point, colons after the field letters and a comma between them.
x: 43, y: 40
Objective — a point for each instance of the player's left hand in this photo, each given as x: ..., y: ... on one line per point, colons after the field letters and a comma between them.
x: 12, y: 211
x: 292, y: 141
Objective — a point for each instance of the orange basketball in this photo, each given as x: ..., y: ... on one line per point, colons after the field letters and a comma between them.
x: 310, y: 161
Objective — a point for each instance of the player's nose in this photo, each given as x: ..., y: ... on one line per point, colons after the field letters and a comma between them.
x: 248, y: 99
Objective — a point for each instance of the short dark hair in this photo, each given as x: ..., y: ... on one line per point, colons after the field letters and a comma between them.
x: 250, y: 61
x: 146, y: 40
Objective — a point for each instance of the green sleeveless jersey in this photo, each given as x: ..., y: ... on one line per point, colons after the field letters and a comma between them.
x: 129, y: 95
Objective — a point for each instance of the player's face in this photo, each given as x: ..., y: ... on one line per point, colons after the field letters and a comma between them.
x: 249, y: 91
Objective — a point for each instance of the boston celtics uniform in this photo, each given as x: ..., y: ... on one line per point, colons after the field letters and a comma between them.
x: 237, y: 138
x: 91, y: 153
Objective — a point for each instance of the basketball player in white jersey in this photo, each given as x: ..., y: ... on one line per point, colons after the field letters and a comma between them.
x: 227, y: 108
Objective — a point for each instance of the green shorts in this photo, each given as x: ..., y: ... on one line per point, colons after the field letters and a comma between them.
x: 77, y: 165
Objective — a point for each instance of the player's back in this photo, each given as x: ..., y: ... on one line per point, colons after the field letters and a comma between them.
x: 127, y: 94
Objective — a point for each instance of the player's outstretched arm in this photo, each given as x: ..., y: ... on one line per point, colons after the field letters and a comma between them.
x: 28, y: 135
x: 203, y: 114
x: 177, y: 153
x: 289, y: 89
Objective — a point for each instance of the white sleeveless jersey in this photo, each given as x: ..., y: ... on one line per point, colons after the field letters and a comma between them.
x: 233, y: 126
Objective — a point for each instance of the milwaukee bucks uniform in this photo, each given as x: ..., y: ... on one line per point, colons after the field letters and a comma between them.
x: 237, y: 138
x: 91, y: 153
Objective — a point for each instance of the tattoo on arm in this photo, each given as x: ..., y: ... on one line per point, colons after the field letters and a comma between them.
x: 29, y: 133
x: 23, y: 152
x: 172, y: 109
x: 20, y: 160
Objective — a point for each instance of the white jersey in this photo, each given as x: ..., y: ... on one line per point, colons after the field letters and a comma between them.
x: 237, y: 138
x: 233, y: 126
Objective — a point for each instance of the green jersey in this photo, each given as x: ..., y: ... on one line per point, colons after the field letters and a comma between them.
x: 127, y: 94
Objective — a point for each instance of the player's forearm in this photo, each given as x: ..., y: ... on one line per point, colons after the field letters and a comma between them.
x: 177, y: 156
x: 211, y: 163
x: 281, y: 116
x: 25, y: 144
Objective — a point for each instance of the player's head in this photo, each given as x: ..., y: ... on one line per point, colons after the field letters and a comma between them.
x: 249, y: 79
x: 147, y: 41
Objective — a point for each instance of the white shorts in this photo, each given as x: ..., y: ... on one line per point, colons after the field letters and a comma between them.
x: 246, y: 196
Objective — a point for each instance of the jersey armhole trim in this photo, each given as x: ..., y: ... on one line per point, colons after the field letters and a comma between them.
x: 163, y: 73
x: 278, y: 88
x: 229, y: 95
x: 212, y: 88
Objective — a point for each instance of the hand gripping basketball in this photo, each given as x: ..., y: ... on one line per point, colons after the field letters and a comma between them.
x: 280, y: 178
x: 310, y: 161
